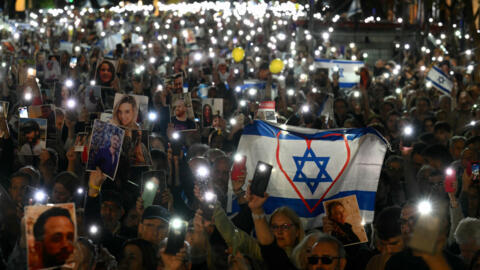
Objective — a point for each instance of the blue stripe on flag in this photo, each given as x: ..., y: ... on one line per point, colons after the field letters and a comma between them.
x: 438, y: 86
x: 441, y: 72
x: 366, y: 201
x: 346, y: 85
x: 261, y: 128
x: 338, y: 61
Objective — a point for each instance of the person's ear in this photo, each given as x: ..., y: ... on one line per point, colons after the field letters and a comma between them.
x: 343, y: 263
x: 39, y: 248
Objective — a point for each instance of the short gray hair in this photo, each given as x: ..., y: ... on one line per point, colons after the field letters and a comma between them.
x: 300, y: 251
x: 468, y: 230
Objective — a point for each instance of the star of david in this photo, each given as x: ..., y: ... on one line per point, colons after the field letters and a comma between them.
x: 441, y: 79
x: 321, y: 162
x: 339, y: 70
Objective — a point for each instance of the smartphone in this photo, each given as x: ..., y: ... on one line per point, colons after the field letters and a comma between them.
x: 475, y: 170
x: 153, y: 182
x: 449, y: 182
x: 261, y: 177
x: 238, y: 166
x: 208, y: 205
x: 428, y: 228
x: 177, y: 231
x: 73, y: 62
x: 23, y: 112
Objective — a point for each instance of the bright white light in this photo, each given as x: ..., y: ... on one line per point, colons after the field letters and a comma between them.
x: 202, y: 171
x: 281, y: 37
x: 356, y: 94
x: 365, y: 55
x: 470, y: 68
x: 233, y: 121
x: 92, y: 83
x: 314, y: 90
x: 80, y: 191
x: 398, y: 91
x: 237, y: 157
x: 407, y: 46
x: 152, y: 116
x: 330, y: 29
x: 428, y: 84
x: 30, y: 71
x: 325, y: 35
x: 243, y: 103
x: 400, y: 20
x: 252, y: 91
x: 468, y: 52
x: 472, y: 123
x: 71, y: 103
x: 150, y: 185
x: 408, y: 130
x: 305, y: 108
x: 424, y: 207
x: 40, y: 196
x: 28, y: 96
x: 176, y: 135
x: 386, y: 75
x: 449, y: 171
x: 69, y: 83
x: 198, y: 56
x: 422, y: 68
x: 93, y: 229
x: 176, y: 223
x: 352, y: 45
x: 209, y: 196
x: 152, y: 60
x: 262, y: 167
x: 290, y: 92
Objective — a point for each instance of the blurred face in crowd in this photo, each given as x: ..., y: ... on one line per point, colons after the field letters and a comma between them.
x: 418, y: 161
x: 408, y: 218
x: 445, y: 103
x: 392, y: 123
x: 18, y: 189
x: 456, y: 149
x: 464, y: 101
x: 111, y: 213
x: 422, y: 107
x: 428, y: 125
x: 125, y: 114
x: 132, y: 219
x: 178, y: 85
x: 57, y: 243
x: 105, y: 73
x: 329, y: 251
x: 180, y: 108
x: 132, y: 258
x: 392, y: 245
x: 115, y: 142
x: 153, y: 230
x: 442, y: 136
x: 467, y: 250
x: 337, y: 214
x: 30, y: 137
x: 221, y: 174
x: 60, y: 194
x: 59, y: 118
x: 284, y: 230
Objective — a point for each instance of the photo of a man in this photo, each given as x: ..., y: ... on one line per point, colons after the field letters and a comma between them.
x: 343, y: 220
x: 51, y: 233
x: 105, y: 147
x: 182, y: 112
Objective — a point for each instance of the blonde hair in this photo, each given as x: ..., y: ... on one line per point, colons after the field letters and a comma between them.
x: 289, y: 213
x: 130, y: 100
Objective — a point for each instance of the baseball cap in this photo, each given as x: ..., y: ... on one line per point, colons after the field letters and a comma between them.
x: 156, y: 211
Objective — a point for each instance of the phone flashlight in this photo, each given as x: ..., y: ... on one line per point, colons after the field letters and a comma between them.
x: 290, y: 92
x: 209, y: 196
x: 93, y: 229
x: 243, y: 103
x: 237, y: 157
x: 40, y: 196
x: 92, y: 82
x: 68, y: 83
x: 176, y: 223
x: 356, y: 94
x: 150, y: 185
x: 233, y: 121
x: 252, y: 91
x: 408, y: 130
x: 71, y: 103
x: 424, y: 207
x: 152, y: 116
x: 449, y: 171
x: 305, y: 108
x: 202, y: 172
x: 80, y: 191
x: 28, y: 96
x: 176, y: 135
x: 31, y: 72
x: 262, y: 167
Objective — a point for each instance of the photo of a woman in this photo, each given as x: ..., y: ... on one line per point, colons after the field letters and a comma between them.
x: 139, y: 154
x: 105, y: 74
x: 207, y: 115
x: 125, y: 112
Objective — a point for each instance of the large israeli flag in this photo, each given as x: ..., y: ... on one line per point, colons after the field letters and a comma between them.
x: 440, y: 80
x: 311, y: 166
x: 346, y: 69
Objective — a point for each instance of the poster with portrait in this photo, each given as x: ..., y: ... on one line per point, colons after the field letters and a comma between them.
x: 121, y: 104
x: 189, y: 36
x: 32, y: 136
x: 266, y: 111
x: 47, y: 112
x: 61, y: 94
x: 105, y: 147
x: 125, y: 111
x: 93, y: 99
x: 81, y: 141
x: 343, y: 216
x: 139, y: 154
x: 174, y: 83
x: 181, y: 112
x: 211, y: 107
x: 51, y: 232
x: 105, y: 73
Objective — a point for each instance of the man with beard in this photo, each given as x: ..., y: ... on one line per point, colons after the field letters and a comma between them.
x: 54, y: 234
x: 180, y: 120
x: 32, y: 145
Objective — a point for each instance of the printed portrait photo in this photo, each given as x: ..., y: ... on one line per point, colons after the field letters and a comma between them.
x: 182, y: 115
x: 105, y: 147
x: 32, y: 136
x: 139, y: 154
x: 93, y: 99
x: 105, y: 73
x: 80, y: 141
x: 124, y: 104
x: 211, y: 107
x: 343, y: 215
x: 50, y: 234
x: 45, y: 112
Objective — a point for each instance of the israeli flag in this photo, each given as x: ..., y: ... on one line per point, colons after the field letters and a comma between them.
x: 312, y: 166
x: 440, y: 80
x: 346, y: 69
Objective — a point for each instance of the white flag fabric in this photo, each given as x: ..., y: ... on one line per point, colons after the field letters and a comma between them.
x: 311, y: 166
x: 440, y: 80
x: 346, y: 70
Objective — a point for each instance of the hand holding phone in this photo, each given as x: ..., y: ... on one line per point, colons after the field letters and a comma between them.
x: 177, y: 231
x: 239, y: 165
x: 261, y: 178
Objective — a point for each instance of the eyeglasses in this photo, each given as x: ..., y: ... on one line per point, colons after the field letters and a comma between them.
x: 282, y: 227
x: 326, y: 260
x: 410, y: 221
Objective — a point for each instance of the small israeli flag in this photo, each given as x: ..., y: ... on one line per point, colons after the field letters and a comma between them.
x: 346, y: 70
x: 440, y: 80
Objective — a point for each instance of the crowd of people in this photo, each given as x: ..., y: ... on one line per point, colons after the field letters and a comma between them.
x: 73, y: 61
